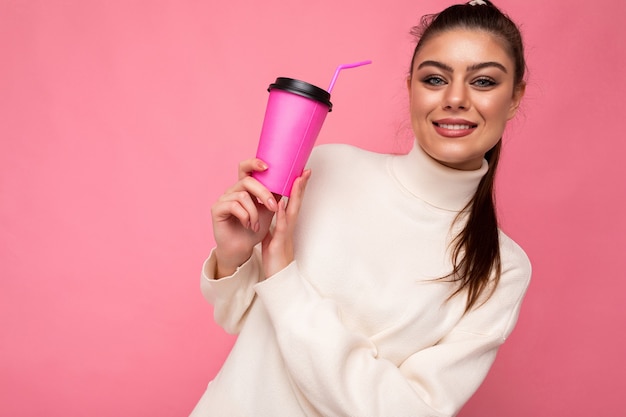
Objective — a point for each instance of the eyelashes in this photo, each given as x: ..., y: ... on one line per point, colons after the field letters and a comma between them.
x: 484, y: 82
x: 480, y: 82
x: 433, y: 80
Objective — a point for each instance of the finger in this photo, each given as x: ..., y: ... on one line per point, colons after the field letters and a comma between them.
x: 225, y: 210
x: 245, y: 200
x: 281, y: 225
x: 247, y: 167
x: 297, y: 195
x: 257, y: 190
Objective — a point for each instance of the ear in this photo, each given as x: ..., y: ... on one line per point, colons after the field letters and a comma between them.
x: 518, y: 94
x: 408, y: 83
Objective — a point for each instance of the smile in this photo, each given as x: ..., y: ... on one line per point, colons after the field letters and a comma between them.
x: 454, y: 127
x: 454, y: 130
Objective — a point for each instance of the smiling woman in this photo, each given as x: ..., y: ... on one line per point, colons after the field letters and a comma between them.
x: 388, y: 289
x: 462, y: 92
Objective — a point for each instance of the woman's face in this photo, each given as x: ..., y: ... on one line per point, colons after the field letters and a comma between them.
x: 462, y: 93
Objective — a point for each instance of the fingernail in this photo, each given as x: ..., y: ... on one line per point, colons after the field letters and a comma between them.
x: 271, y: 203
x: 257, y: 227
x: 263, y: 165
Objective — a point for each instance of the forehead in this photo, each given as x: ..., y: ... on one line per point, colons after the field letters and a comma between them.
x: 463, y: 47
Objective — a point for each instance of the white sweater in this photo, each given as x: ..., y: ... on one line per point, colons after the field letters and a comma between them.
x: 358, y: 325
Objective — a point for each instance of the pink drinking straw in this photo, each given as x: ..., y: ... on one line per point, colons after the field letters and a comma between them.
x: 344, y: 66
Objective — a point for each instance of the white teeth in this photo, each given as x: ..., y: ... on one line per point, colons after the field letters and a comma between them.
x: 454, y: 127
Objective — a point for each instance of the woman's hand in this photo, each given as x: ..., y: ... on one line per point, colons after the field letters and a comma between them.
x: 278, y: 245
x: 241, y: 218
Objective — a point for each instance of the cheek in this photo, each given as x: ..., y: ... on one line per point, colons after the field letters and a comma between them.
x: 495, y: 108
x: 422, y: 103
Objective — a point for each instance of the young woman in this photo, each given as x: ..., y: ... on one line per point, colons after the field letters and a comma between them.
x: 387, y: 289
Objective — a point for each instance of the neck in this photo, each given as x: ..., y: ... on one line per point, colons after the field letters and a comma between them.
x: 439, y: 185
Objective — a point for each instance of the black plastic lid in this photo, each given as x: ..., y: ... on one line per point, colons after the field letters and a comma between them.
x: 303, y: 89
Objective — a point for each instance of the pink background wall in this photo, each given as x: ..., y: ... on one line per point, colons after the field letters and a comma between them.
x: 121, y: 121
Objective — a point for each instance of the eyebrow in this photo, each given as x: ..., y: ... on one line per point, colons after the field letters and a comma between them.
x: 474, y: 67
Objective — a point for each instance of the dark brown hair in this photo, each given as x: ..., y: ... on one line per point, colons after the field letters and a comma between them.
x: 476, y: 249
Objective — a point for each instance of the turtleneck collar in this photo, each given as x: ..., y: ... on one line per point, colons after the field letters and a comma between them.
x: 438, y: 185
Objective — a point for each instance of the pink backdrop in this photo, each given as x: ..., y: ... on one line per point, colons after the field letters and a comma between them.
x: 121, y: 121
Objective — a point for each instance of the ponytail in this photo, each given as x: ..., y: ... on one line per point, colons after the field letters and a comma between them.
x: 476, y: 249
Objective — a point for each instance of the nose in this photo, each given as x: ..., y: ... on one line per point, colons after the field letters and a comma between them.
x: 456, y: 97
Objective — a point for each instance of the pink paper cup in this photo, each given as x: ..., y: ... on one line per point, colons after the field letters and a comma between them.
x: 294, y: 116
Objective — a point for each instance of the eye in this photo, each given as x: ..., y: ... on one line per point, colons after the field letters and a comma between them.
x: 484, y: 82
x: 434, y: 80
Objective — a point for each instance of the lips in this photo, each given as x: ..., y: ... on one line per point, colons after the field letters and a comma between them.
x: 454, y: 128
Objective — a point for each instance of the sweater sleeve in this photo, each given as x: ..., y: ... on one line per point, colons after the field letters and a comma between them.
x: 341, y: 374
x: 231, y: 296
